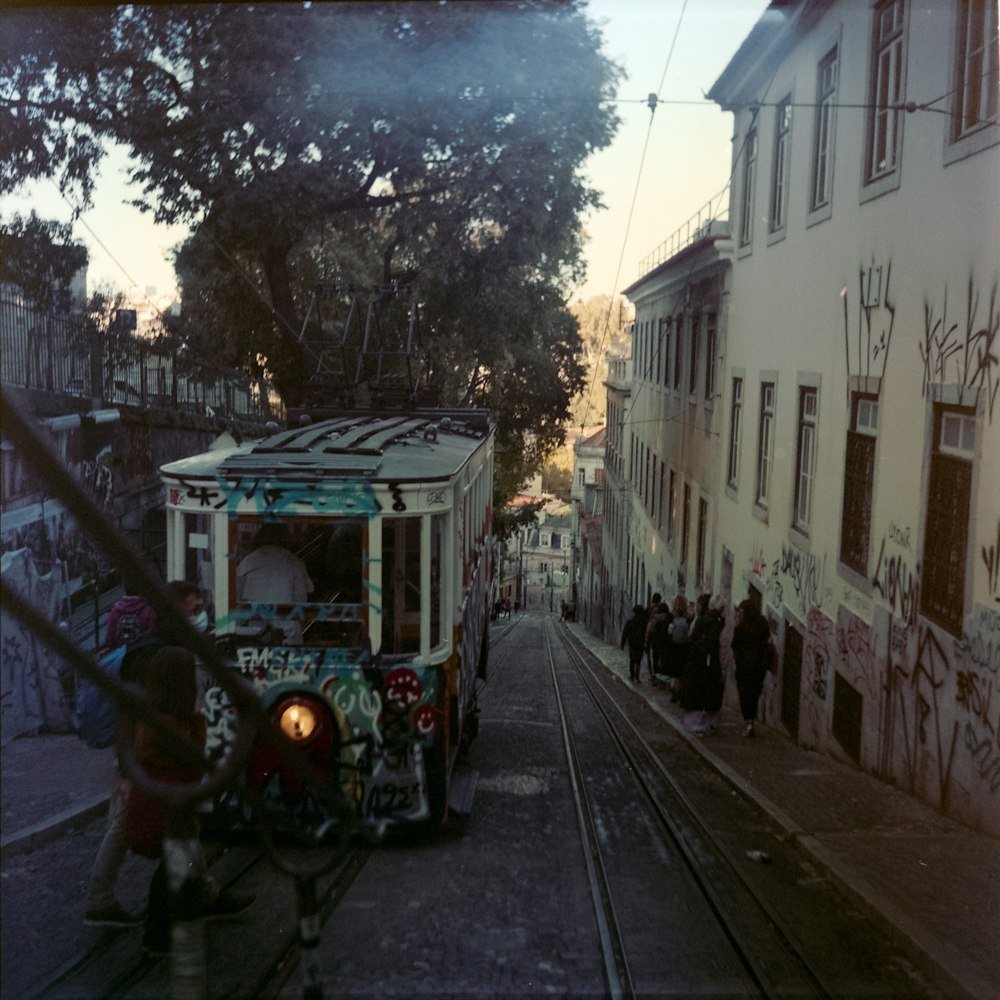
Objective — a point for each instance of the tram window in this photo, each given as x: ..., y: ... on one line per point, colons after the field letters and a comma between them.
x: 343, y: 563
x: 438, y: 522
x: 197, y: 552
x: 401, y: 585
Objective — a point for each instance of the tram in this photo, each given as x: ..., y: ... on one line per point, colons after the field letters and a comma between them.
x: 348, y: 561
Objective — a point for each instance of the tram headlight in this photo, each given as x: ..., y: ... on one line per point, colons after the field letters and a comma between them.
x: 298, y: 720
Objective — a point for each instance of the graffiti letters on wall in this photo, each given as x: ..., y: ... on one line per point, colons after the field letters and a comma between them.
x: 897, y: 574
x: 964, y: 351
x: 946, y: 710
x: 868, y: 336
x: 796, y: 579
x: 37, y: 686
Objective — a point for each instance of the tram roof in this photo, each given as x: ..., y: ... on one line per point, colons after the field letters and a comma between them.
x: 396, y: 447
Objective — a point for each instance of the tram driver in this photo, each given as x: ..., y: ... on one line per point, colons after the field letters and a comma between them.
x: 271, y: 573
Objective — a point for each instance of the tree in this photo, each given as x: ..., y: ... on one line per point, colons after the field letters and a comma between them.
x: 436, y: 142
x: 602, y: 323
x: 40, y: 257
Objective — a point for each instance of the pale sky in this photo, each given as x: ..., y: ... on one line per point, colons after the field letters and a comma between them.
x: 686, y: 163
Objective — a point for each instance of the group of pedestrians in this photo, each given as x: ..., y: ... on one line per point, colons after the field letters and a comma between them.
x: 682, y: 644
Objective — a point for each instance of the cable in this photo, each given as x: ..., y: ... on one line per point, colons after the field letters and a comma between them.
x: 652, y: 101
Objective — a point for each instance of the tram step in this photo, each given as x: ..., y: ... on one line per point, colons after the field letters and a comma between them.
x: 462, y: 789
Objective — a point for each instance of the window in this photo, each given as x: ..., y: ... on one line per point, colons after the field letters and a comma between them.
x: 976, y: 82
x: 659, y: 513
x: 805, y: 459
x: 765, y: 441
x: 678, y: 348
x: 583, y: 477
x: 886, y: 91
x: 711, y: 339
x: 946, y: 530
x: 672, y: 506
x: 749, y: 178
x: 821, y: 188
x: 782, y: 154
x: 668, y: 341
x: 693, y: 357
x: 702, y: 539
x: 735, y: 418
x: 685, y: 522
x: 859, y: 474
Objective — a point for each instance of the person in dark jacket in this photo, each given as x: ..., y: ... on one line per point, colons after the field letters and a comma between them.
x: 701, y: 696
x: 675, y: 655
x: 634, y: 635
x: 751, y: 651
x: 658, y: 638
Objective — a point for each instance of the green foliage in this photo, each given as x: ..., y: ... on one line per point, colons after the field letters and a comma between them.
x: 40, y: 258
x: 508, y: 521
x: 602, y: 325
x: 347, y: 142
x: 557, y: 480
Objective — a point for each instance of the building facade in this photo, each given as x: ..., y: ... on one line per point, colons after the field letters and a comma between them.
x: 861, y: 454
x: 814, y: 408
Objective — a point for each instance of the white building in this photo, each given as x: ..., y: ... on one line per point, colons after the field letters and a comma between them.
x: 587, y: 498
x: 860, y: 465
x: 672, y: 425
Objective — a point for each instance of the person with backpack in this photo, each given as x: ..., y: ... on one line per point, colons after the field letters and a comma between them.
x: 676, y: 651
x: 658, y: 638
x: 634, y: 636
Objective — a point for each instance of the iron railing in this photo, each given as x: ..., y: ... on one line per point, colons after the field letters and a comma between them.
x: 67, y: 355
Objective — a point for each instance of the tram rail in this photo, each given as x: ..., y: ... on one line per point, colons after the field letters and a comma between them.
x: 772, y: 962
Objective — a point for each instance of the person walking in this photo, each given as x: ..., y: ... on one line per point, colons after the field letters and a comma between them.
x: 751, y: 651
x: 634, y: 636
x: 701, y: 697
x: 169, y: 679
x: 101, y: 908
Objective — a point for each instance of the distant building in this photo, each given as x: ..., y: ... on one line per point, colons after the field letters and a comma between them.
x: 587, y: 497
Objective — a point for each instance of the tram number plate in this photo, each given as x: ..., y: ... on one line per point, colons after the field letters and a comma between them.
x: 385, y: 800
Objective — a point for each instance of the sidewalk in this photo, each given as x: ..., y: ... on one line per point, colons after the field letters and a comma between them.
x: 933, y: 884
x: 48, y: 783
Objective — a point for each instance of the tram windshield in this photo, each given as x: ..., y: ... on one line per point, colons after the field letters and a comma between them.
x: 342, y: 581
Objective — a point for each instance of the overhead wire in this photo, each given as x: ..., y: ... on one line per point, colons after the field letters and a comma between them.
x: 652, y: 101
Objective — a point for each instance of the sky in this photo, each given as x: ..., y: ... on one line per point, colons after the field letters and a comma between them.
x: 662, y: 168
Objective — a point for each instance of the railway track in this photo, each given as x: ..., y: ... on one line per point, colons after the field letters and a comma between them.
x: 769, y: 962
x: 114, y: 966
x: 604, y: 858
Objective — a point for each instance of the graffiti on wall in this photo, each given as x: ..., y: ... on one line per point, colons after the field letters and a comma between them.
x: 965, y: 351
x: 991, y: 560
x: 868, y: 336
x: 797, y: 575
x: 897, y: 575
x: 819, y: 661
x: 846, y: 646
x: 37, y: 687
x: 946, y: 709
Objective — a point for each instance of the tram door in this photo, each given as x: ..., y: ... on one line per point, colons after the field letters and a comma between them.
x: 401, y: 584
